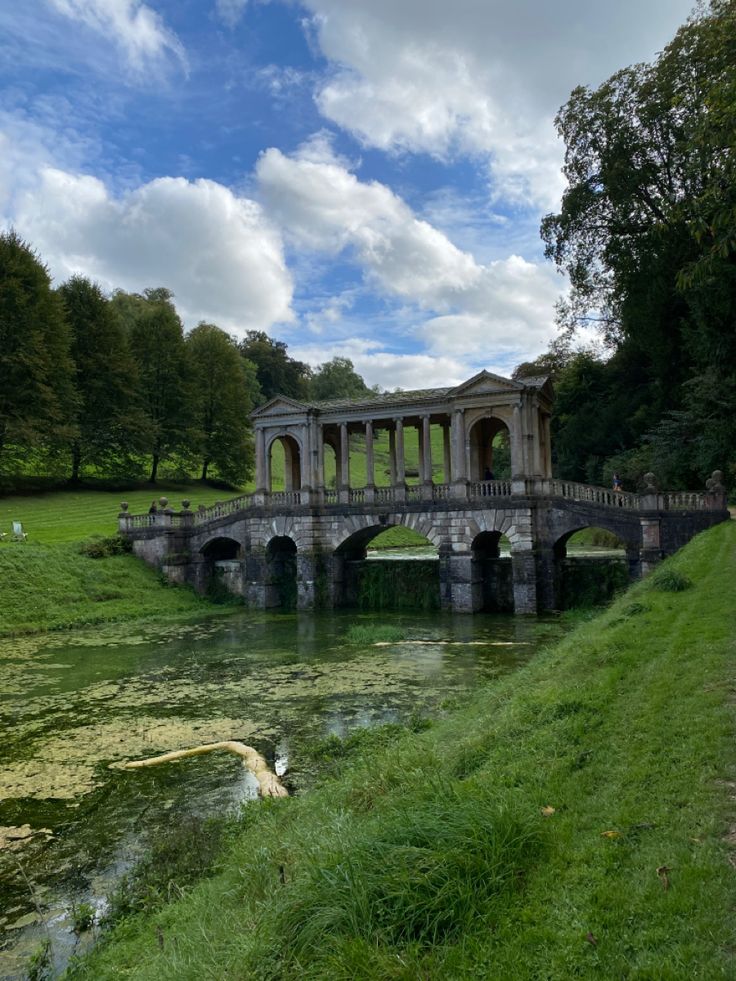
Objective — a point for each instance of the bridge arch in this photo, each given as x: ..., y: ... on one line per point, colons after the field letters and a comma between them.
x: 362, y: 529
x: 222, y: 548
x: 281, y: 573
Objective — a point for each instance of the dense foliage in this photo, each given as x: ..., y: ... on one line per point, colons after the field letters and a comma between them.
x: 646, y: 237
x: 114, y: 387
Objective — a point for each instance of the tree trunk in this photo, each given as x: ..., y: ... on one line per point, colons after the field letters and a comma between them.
x: 76, y: 462
x: 205, y: 468
x: 154, y: 469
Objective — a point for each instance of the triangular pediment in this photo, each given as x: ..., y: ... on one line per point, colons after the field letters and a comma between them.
x: 279, y: 405
x: 485, y: 383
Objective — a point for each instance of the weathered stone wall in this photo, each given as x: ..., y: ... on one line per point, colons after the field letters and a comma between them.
x: 328, y: 538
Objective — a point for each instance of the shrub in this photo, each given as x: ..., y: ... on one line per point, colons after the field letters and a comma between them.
x: 104, y: 548
x: 669, y: 581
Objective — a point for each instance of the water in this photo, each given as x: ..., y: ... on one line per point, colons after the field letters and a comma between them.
x: 73, y: 704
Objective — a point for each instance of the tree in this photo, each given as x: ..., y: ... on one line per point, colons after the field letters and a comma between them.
x: 224, y: 391
x: 108, y: 420
x: 37, y: 395
x: 278, y: 374
x: 157, y: 345
x: 338, y: 379
x: 645, y: 232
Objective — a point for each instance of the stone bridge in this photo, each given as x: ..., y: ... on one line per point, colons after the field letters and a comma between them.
x: 311, y: 534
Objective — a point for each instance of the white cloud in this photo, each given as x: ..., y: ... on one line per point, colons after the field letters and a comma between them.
x: 217, y: 252
x: 389, y: 369
x: 137, y: 29
x: 230, y: 11
x: 478, y: 77
x: 505, y: 305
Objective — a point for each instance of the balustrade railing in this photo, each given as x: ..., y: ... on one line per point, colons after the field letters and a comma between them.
x: 417, y: 493
x: 287, y: 498
x: 490, y: 488
x: 594, y: 495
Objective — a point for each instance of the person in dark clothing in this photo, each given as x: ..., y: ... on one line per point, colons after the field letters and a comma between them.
x: 488, y: 475
x: 153, y: 509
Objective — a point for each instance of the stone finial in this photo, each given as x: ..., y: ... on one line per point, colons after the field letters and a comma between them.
x: 123, y: 505
x: 185, y: 505
x: 163, y: 501
x: 714, y: 484
x: 650, y: 483
x: 201, y: 508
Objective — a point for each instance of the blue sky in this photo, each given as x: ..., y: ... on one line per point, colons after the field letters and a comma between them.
x: 356, y: 177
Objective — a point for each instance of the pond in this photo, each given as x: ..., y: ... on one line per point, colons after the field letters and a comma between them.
x: 72, y: 704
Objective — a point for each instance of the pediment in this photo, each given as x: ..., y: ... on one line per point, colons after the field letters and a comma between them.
x: 485, y: 383
x: 278, y: 406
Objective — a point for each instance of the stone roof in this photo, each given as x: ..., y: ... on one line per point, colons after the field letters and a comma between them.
x: 384, y: 398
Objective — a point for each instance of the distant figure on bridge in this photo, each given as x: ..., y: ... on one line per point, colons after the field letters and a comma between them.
x: 153, y: 508
x: 488, y: 475
x: 617, y: 484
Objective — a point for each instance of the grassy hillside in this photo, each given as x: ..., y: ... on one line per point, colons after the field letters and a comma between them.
x: 52, y: 587
x: 572, y: 821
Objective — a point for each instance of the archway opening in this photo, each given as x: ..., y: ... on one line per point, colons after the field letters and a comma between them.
x: 281, y: 587
x: 491, y: 574
x: 223, y: 569
x: 387, y: 567
x: 222, y: 550
x: 590, y: 567
x: 490, y: 450
x: 285, y: 464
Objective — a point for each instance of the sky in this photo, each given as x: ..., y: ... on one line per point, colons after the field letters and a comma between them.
x: 357, y: 178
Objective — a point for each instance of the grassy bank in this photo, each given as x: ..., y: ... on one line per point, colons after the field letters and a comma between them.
x: 53, y: 587
x: 572, y: 821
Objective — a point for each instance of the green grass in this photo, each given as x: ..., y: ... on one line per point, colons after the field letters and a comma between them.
x: 54, y: 587
x: 571, y: 821
x: 73, y: 515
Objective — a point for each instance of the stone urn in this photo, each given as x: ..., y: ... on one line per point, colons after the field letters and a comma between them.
x: 123, y: 505
x: 163, y: 501
x: 185, y: 505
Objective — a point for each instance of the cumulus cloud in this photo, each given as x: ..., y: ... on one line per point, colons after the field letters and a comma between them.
x: 217, y: 252
x: 505, y: 305
x: 132, y: 25
x: 482, y: 77
x: 387, y: 368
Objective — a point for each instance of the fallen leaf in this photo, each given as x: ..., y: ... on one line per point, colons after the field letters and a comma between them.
x: 662, y: 873
x: 591, y: 939
x: 548, y: 811
x: 610, y: 834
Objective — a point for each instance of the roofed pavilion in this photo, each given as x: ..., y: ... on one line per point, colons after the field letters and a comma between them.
x: 469, y: 415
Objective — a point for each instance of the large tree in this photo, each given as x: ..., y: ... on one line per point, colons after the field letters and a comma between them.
x: 278, y: 374
x: 645, y: 233
x: 108, y: 419
x: 156, y: 340
x: 224, y: 391
x: 338, y: 379
x: 37, y: 395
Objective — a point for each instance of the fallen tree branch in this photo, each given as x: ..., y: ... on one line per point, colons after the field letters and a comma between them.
x: 269, y: 784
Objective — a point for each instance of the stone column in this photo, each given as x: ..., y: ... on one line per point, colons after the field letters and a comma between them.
x: 651, y: 550
x: 524, y: 573
x: 266, y: 466
x: 446, y: 455
x: 392, y: 455
x: 261, y: 484
x: 400, y: 486
x: 518, y: 485
x: 426, y: 452
x: 459, y: 472
x: 320, y: 484
x: 370, y: 475
x: 344, y: 464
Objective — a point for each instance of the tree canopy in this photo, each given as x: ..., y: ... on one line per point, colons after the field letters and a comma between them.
x: 646, y: 236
